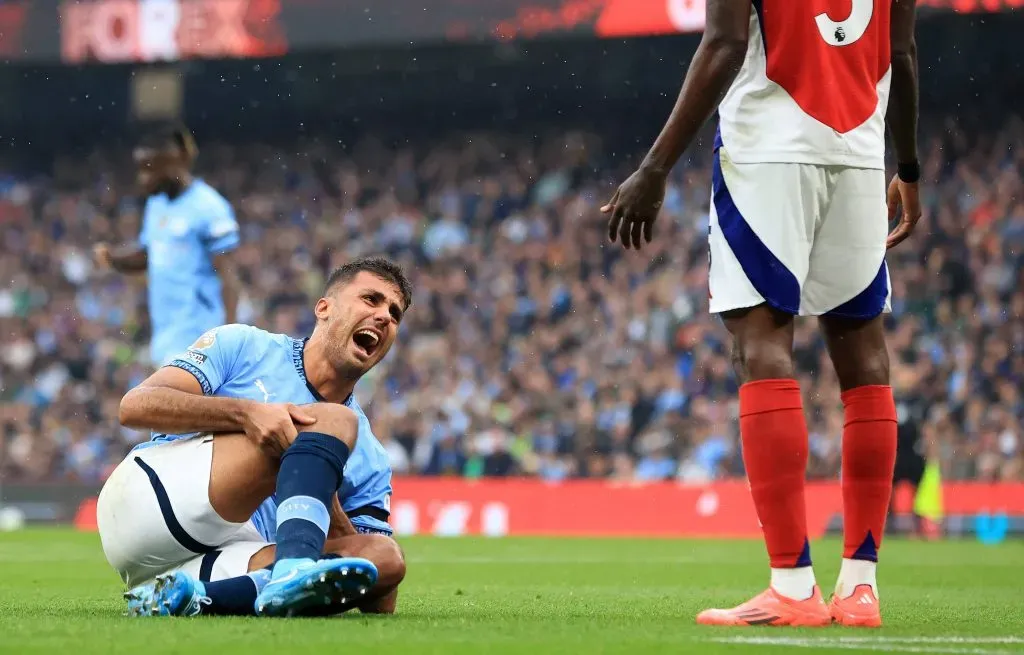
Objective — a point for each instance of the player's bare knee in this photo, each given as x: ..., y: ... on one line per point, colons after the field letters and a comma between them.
x: 757, y: 359
x: 334, y: 420
x: 868, y: 369
x: 858, y: 351
x: 389, y: 559
x: 762, y: 347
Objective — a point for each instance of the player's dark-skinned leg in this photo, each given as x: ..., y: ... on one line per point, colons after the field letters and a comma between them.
x: 861, y: 359
x: 773, y: 432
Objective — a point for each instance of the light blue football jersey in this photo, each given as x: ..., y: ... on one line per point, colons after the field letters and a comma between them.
x: 181, y: 237
x: 241, y: 361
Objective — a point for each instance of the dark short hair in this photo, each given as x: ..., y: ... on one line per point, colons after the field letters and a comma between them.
x: 171, y: 135
x: 382, y: 267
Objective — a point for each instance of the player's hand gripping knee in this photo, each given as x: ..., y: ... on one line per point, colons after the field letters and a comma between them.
x: 273, y: 425
x: 902, y: 195
x: 634, y: 208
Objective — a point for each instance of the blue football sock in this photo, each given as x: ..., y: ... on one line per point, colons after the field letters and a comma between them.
x: 310, y: 474
x: 235, y: 596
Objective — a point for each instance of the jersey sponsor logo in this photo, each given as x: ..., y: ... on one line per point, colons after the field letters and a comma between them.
x: 205, y: 341
x: 197, y: 357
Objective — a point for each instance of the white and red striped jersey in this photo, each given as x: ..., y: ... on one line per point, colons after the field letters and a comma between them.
x: 814, y: 86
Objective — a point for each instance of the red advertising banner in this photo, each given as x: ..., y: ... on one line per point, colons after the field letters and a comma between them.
x: 112, y: 31
x: 153, y: 30
x: 12, y: 21
x: 530, y: 507
x: 598, y: 508
x: 620, y: 18
x: 971, y: 6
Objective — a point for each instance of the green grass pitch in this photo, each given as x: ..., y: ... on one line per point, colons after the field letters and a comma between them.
x: 508, y: 595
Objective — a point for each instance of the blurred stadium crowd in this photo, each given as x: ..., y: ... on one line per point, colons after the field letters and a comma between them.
x: 532, y: 346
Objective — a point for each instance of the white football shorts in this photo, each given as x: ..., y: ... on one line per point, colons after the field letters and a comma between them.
x: 806, y: 239
x: 154, y: 516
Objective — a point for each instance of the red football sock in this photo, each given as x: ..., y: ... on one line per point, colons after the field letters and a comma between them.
x: 869, y: 456
x: 774, y: 435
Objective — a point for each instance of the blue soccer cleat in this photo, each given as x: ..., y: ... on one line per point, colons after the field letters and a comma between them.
x: 302, y: 585
x: 171, y: 594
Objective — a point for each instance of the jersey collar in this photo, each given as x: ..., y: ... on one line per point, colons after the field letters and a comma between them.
x: 298, y: 347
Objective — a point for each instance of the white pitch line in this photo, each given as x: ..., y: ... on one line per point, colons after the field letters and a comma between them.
x: 941, y: 640
x: 887, y: 644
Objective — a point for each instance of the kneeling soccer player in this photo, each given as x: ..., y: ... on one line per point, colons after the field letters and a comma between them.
x: 234, y: 484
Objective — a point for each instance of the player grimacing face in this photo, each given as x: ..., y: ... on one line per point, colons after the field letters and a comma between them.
x: 361, y: 319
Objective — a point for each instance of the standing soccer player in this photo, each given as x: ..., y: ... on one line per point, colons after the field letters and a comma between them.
x: 798, y: 227
x: 188, y: 235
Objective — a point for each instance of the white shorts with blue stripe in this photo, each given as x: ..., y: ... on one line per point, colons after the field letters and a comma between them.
x: 806, y: 239
x: 154, y: 516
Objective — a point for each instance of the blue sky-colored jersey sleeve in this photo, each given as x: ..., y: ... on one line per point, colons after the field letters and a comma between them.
x: 214, y: 356
x: 219, y: 227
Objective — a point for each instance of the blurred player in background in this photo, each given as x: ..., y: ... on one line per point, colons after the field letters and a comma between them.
x: 265, y: 460
x: 798, y: 227
x: 911, y: 412
x: 188, y: 235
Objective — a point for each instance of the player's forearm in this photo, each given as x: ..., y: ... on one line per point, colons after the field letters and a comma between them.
x: 129, y: 259
x: 231, y: 285
x: 171, y: 411
x: 901, y: 114
x: 714, y: 67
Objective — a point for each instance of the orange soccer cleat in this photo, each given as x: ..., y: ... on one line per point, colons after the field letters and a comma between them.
x: 859, y: 609
x: 771, y: 608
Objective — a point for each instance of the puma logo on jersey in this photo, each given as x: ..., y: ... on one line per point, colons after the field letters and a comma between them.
x: 263, y: 389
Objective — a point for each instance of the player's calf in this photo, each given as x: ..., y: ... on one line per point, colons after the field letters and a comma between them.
x: 310, y: 474
x: 858, y: 351
x: 773, y: 432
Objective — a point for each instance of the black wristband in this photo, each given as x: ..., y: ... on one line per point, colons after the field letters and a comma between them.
x: 909, y: 172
